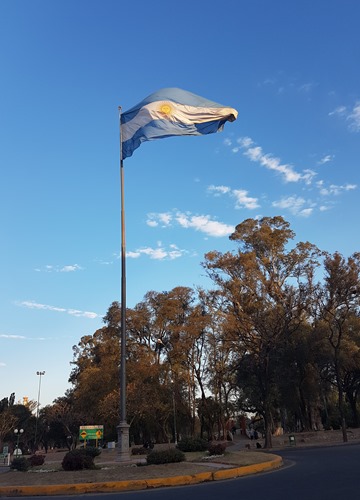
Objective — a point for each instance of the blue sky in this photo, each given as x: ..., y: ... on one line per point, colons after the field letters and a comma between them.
x: 290, y: 68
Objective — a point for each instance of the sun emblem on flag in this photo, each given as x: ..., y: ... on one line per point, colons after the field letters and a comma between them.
x: 166, y: 108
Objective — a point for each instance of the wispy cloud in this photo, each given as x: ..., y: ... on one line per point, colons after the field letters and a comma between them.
x: 71, y: 268
x: 46, y: 307
x: 2, y: 364
x: 241, y: 196
x: 334, y: 189
x: 325, y: 159
x: 351, y: 115
x: 159, y: 253
x: 296, y: 205
x: 202, y: 223
x: 13, y: 337
x: 256, y: 154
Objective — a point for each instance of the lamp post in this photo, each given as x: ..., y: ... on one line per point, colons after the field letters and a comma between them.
x: 17, y: 433
x: 40, y: 374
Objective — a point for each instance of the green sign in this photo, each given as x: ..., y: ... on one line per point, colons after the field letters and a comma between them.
x: 87, y: 432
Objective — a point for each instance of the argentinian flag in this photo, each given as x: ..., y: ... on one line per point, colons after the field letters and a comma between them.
x: 170, y: 112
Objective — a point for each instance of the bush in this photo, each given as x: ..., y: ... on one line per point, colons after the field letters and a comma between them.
x: 91, y: 451
x: 36, y: 460
x: 165, y: 457
x: 79, y: 459
x: 141, y: 450
x: 216, y: 448
x: 20, y: 463
x: 192, y: 444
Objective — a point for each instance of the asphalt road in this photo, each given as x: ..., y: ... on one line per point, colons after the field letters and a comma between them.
x: 326, y: 473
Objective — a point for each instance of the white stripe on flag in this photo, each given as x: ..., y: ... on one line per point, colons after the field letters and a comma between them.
x: 174, y: 112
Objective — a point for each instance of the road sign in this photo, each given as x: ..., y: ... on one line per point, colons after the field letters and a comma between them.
x: 88, y: 432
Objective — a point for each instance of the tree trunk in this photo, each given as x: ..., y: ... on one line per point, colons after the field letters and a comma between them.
x: 268, y: 429
x: 340, y: 400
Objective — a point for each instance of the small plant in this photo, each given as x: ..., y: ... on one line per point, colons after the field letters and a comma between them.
x: 140, y: 450
x: 79, y: 459
x: 20, y: 463
x: 192, y: 444
x: 216, y: 448
x: 165, y: 457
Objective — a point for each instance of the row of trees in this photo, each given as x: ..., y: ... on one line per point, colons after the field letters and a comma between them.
x: 277, y: 336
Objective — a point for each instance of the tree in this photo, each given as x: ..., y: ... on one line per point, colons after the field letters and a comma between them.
x: 267, y: 290
x: 338, y: 307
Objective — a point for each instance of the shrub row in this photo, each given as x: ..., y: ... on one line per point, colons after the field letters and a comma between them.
x: 23, y: 464
x: 198, y: 444
x: 193, y: 444
x: 165, y: 456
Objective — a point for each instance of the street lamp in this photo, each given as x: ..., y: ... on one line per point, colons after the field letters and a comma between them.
x: 40, y: 374
x: 17, y: 433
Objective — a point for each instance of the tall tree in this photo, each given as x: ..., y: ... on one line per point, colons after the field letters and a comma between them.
x: 338, y: 308
x: 267, y: 290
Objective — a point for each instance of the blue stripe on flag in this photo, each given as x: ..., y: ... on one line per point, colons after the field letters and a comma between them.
x: 171, y: 112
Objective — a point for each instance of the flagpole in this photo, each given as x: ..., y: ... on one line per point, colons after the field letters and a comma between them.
x: 123, y: 454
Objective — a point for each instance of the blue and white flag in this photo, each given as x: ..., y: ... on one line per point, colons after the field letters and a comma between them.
x: 170, y: 112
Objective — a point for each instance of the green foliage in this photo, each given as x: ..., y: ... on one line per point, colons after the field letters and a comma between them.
x: 165, y: 457
x: 78, y: 459
x: 36, y: 460
x: 20, y: 463
x: 216, y: 448
x: 192, y: 444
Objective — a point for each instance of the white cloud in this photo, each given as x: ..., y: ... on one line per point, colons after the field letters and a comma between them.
x: 70, y: 269
x: 295, y: 205
x: 57, y: 269
x: 255, y: 154
x: 204, y: 224
x: 2, y: 364
x: 325, y: 159
x: 219, y: 190
x: 352, y: 116
x: 339, y: 111
x: 335, y: 190
x: 46, y: 307
x: 243, y: 200
x: 159, y: 253
x: 14, y: 337
x: 240, y: 195
x: 164, y: 219
x: 308, y: 176
x: 245, y: 142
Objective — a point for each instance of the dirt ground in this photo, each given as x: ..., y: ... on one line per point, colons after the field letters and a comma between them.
x: 108, y: 469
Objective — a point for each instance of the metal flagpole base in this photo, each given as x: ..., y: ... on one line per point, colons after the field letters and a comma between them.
x: 123, y: 452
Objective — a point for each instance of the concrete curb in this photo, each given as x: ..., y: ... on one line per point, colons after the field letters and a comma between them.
x: 141, y: 484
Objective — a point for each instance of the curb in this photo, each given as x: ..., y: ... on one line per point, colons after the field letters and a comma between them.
x: 141, y: 484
